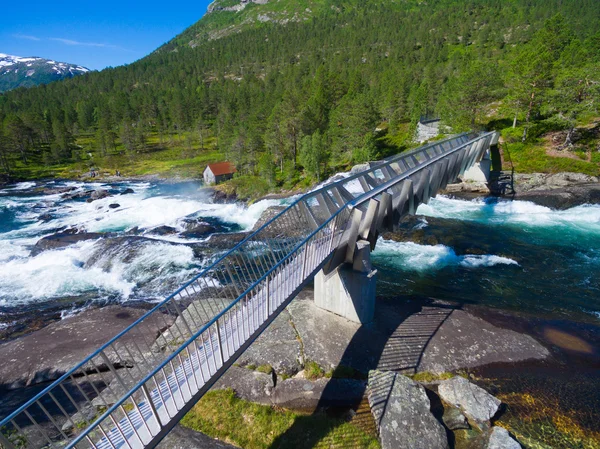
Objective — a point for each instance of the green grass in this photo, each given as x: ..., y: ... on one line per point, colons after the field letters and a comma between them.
x: 312, y: 370
x: 532, y: 158
x: 427, y: 376
x: 170, y: 160
x: 222, y: 415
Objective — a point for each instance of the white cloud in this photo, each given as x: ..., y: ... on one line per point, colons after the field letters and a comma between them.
x: 27, y: 37
x: 86, y: 44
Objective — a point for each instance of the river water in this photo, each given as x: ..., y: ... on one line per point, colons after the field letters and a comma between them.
x: 510, y: 255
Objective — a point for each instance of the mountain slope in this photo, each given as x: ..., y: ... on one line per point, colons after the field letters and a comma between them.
x: 320, y: 85
x: 16, y: 71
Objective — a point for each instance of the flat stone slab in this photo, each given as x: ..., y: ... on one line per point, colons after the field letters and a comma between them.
x: 402, y: 413
x: 277, y: 346
x: 307, y: 395
x: 441, y: 337
x: 250, y: 385
x: 407, y: 337
x: 476, y: 403
x: 47, y: 354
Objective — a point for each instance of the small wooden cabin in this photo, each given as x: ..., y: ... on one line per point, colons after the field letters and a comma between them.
x: 219, y: 172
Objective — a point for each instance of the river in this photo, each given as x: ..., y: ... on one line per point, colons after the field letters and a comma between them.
x: 509, y: 255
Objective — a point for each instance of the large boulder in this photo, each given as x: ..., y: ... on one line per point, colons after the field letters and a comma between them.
x: 268, y: 214
x: 402, y: 413
x: 195, y: 228
x: 500, y: 439
x: 98, y: 195
x: 62, y: 240
x: 476, y: 403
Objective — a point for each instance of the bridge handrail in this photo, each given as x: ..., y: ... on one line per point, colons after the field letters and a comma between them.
x: 358, y: 201
x: 262, y: 275
x: 207, y: 269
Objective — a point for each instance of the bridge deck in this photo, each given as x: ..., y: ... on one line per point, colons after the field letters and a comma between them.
x: 224, y: 309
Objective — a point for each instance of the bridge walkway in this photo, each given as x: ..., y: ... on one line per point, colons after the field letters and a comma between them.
x: 151, y: 374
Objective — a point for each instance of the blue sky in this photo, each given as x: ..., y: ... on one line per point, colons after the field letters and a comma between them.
x: 95, y: 34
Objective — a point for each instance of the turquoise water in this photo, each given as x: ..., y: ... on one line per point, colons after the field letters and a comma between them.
x: 511, y: 255
x: 506, y: 254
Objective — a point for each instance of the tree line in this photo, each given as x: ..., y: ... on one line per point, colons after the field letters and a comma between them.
x: 309, y: 98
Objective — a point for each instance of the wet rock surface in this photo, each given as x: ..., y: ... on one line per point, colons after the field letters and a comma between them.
x: 476, y: 403
x: 63, y: 239
x: 402, y: 413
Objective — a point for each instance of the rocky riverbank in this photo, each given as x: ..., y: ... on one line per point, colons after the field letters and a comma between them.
x: 294, y: 364
x: 557, y: 191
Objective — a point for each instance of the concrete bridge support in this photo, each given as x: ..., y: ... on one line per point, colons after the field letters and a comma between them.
x: 481, y: 169
x: 349, y: 290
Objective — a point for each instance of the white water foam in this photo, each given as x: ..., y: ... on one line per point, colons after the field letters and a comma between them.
x: 412, y: 256
x: 151, y: 271
x: 585, y: 217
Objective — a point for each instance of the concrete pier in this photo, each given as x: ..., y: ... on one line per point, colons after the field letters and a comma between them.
x: 349, y: 290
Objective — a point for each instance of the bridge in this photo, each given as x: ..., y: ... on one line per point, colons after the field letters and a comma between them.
x: 134, y: 389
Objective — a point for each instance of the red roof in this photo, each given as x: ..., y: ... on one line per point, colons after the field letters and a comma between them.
x: 222, y: 168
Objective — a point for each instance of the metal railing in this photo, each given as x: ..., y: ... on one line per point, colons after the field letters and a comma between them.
x: 135, y: 388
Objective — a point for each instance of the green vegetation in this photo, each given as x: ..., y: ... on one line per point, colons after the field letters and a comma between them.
x: 220, y: 414
x: 345, y: 372
x: 312, y: 370
x: 427, y: 376
x: 292, y: 91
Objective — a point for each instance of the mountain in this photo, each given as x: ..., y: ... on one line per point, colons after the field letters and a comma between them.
x: 292, y: 90
x: 16, y: 71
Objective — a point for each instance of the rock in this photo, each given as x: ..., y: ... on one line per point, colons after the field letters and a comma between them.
x: 268, y: 214
x: 402, y: 413
x: 127, y: 192
x: 47, y: 354
x: 454, y: 419
x: 58, y: 190
x: 306, y: 395
x: 76, y: 195
x: 46, y: 217
x: 456, y: 339
x: 220, y: 196
x: 196, y: 228
x: 310, y: 322
x: 562, y: 197
x: 63, y: 239
x: 476, y: 403
x: 184, y: 438
x: 114, y: 205
x: 248, y: 384
x: 360, y: 167
x: 277, y: 346
x: 500, y: 439
x: 198, y: 313
x: 98, y: 195
x: 163, y: 230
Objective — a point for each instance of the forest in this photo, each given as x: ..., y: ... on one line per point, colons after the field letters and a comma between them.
x: 290, y: 103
